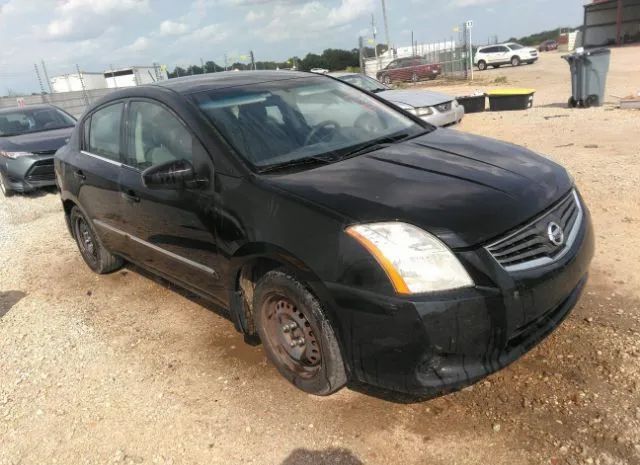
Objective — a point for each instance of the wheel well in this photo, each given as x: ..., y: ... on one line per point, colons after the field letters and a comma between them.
x: 245, y: 283
x: 67, y: 205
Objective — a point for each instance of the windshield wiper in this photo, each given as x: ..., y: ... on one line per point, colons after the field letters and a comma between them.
x: 378, y: 90
x: 314, y: 160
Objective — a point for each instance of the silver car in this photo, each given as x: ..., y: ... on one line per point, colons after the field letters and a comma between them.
x: 433, y: 107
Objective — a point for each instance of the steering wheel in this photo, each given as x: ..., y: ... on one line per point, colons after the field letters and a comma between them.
x: 318, y: 127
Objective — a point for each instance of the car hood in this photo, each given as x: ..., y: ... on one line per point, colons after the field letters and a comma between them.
x: 43, y: 141
x: 465, y: 189
x: 415, y: 98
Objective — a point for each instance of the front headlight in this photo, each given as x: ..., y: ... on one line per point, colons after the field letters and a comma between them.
x: 424, y: 111
x: 415, y: 261
x: 14, y: 155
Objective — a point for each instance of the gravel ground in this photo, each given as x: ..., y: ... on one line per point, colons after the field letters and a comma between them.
x: 126, y: 369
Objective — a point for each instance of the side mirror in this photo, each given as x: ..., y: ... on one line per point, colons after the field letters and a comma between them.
x: 173, y: 175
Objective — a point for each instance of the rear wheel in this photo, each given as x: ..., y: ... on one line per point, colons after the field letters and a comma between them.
x: 482, y: 65
x: 93, y: 252
x: 591, y: 101
x: 297, y: 336
x: 573, y: 103
x: 4, y: 187
x: 515, y: 61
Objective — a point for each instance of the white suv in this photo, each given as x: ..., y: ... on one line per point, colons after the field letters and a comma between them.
x: 504, y: 54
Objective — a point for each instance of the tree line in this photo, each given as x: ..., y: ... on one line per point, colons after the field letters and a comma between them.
x: 332, y: 59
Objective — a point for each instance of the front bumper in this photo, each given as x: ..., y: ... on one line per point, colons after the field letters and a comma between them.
x: 26, y: 174
x: 432, y: 345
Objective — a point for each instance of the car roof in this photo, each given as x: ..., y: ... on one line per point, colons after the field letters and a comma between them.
x: 226, y: 79
x: 40, y: 106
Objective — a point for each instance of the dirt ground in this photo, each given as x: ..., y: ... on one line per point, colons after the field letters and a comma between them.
x: 122, y: 369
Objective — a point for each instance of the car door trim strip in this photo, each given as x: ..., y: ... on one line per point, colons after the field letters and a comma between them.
x: 184, y: 260
x: 113, y: 162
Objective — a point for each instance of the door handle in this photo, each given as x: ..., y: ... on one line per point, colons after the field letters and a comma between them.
x: 130, y: 196
x: 80, y: 175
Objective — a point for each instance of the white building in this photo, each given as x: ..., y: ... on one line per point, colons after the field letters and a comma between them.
x: 134, y: 76
x: 75, y: 82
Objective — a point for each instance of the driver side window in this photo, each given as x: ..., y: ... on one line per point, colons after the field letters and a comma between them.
x: 155, y: 136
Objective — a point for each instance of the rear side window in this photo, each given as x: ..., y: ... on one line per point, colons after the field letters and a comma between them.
x: 104, y: 132
x: 156, y: 136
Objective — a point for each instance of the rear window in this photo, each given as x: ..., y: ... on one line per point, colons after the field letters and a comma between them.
x: 104, y: 132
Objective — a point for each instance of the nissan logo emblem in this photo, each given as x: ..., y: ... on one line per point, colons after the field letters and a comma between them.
x: 555, y: 234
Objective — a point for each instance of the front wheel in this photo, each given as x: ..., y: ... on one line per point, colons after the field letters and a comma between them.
x: 515, y: 61
x: 99, y: 259
x: 4, y: 187
x: 386, y: 80
x: 297, y: 336
x: 414, y: 77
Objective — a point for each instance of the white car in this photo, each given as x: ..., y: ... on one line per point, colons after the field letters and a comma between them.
x: 504, y: 54
x: 319, y: 70
x: 433, y: 107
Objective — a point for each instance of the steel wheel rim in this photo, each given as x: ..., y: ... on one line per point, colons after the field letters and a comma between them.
x: 86, y: 241
x: 290, y: 336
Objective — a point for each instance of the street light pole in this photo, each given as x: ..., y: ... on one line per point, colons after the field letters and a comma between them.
x: 386, y: 24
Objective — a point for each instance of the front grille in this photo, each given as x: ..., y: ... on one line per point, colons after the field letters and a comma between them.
x: 532, y: 245
x: 41, y: 171
x: 444, y: 107
x: 45, y: 152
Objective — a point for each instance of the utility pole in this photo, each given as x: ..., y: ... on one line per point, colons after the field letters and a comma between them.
x: 202, y: 65
x: 35, y: 66
x: 373, y: 29
x: 253, y: 60
x: 46, y: 76
x: 84, y: 91
x: 225, y: 62
x: 386, y: 25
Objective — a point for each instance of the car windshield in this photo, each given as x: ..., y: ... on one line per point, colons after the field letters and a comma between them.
x: 364, y: 82
x: 27, y: 120
x: 293, y: 121
x: 515, y: 46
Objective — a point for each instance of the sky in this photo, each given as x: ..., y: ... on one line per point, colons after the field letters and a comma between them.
x: 98, y: 34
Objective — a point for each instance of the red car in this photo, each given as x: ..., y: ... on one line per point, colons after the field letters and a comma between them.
x: 548, y: 45
x: 409, y: 69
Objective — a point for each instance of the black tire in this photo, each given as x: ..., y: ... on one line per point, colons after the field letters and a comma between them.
x: 515, y: 61
x: 281, y: 301
x: 4, y: 188
x: 482, y: 65
x: 414, y: 77
x: 572, y: 103
x: 386, y: 79
x: 591, y: 101
x: 99, y: 259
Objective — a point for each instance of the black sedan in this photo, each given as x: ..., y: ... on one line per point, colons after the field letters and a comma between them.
x: 29, y: 137
x: 355, y: 241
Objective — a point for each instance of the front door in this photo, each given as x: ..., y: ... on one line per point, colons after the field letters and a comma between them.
x: 171, y: 231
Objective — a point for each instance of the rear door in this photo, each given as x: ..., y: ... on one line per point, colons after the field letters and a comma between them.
x: 502, y: 55
x: 171, y: 231
x: 95, y: 170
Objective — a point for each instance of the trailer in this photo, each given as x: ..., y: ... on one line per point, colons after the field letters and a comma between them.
x: 134, y: 76
x: 78, y: 81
